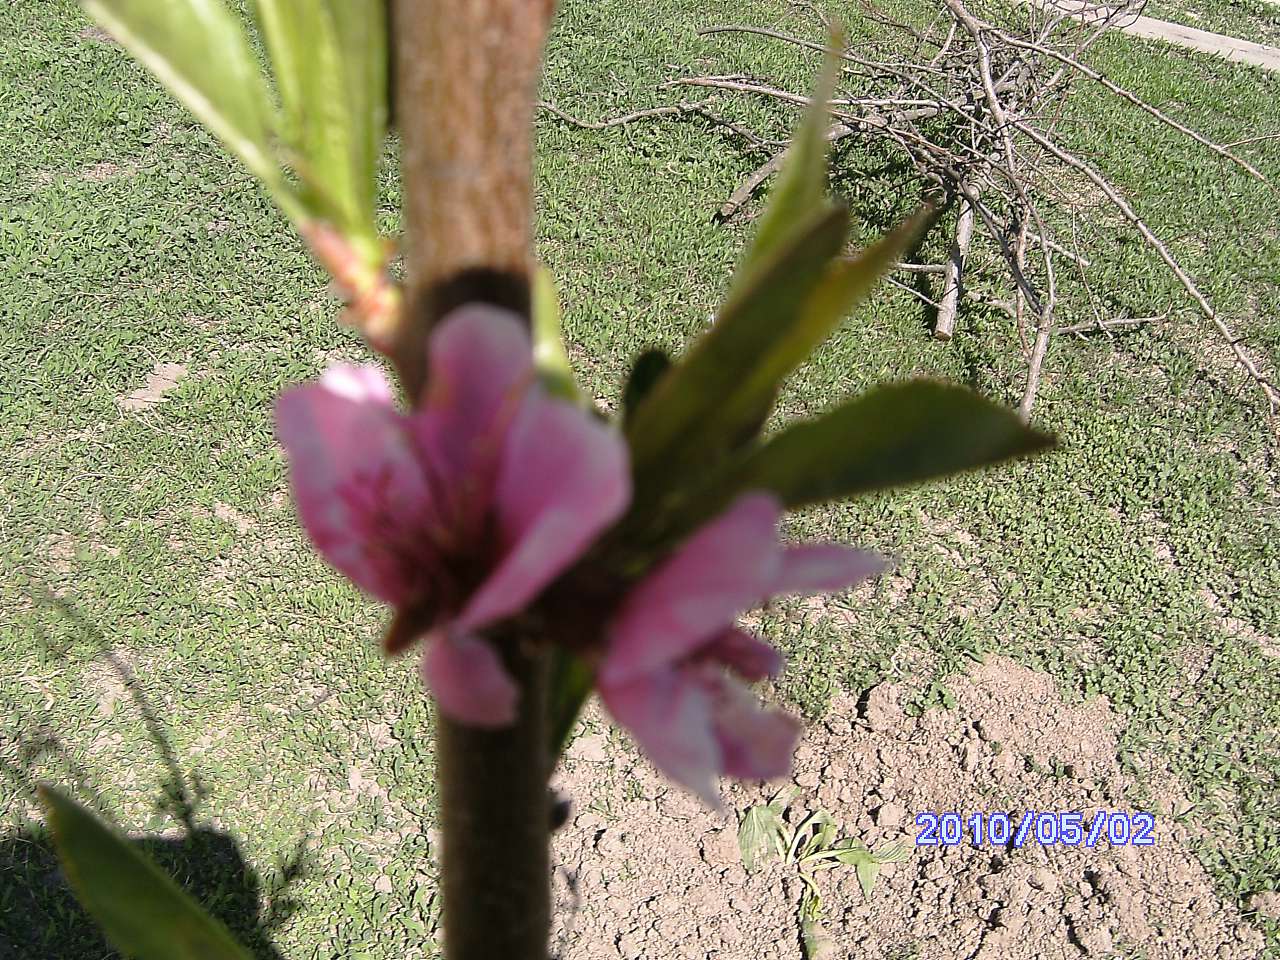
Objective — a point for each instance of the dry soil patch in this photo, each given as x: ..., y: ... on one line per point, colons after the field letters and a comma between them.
x: 646, y: 872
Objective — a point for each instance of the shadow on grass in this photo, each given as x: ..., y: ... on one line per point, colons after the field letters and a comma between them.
x: 40, y: 916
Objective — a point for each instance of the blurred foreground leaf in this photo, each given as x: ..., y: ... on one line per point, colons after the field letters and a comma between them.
x: 144, y: 914
x: 198, y: 50
x: 329, y: 62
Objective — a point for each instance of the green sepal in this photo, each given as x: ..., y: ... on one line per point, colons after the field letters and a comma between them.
x: 549, y: 355
x: 570, y: 685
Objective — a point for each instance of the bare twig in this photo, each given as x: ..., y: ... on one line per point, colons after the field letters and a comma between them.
x: 974, y: 107
x: 1220, y: 149
x: 700, y: 108
x: 764, y: 172
x: 919, y: 267
x: 1105, y: 326
x: 1043, y: 332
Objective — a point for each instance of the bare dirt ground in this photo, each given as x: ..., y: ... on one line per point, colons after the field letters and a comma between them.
x: 647, y: 872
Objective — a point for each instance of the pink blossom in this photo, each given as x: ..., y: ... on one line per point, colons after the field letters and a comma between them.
x: 460, y: 513
x: 673, y: 669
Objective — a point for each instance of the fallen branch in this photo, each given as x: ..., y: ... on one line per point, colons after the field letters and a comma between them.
x: 974, y: 108
x: 953, y: 273
x: 681, y: 109
x: 1206, y: 308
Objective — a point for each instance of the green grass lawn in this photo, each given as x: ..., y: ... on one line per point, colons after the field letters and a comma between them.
x: 1140, y: 561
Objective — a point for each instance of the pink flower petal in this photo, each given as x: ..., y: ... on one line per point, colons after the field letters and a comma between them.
x: 357, y: 480
x: 747, y: 656
x: 825, y: 568
x: 363, y: 384
x: 468, y: 680
x: 729, y: 565
x: 480, y: 363
x: 563, y: 479
x: 755, y: 743
x: 669, y: 714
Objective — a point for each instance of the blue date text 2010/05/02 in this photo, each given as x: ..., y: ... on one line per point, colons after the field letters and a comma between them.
x: 1069, y: 829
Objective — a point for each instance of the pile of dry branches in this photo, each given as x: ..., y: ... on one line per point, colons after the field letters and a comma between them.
x: 975, y: 108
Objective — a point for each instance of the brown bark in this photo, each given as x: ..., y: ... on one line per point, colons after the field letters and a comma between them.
x: 466, y: 79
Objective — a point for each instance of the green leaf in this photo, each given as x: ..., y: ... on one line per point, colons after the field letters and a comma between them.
x: 700, y: 407
x: 888, y: 437
x: 826, y: 834
x: 548, y: 343
x: 846, y: 284
x: 720, y: 395
x: 648, y: 369
x: 329, y: 62
x: 783, y: 798
x: 198, y: 50
x: 867, y: 870
x: 897, y: 852
x: 802, y: 181
x: 814, y: 833
x: 850, y: 852
x: 760, y: 835
x: 362, y: 35
x: 571, y: 683
x: 143, y: 913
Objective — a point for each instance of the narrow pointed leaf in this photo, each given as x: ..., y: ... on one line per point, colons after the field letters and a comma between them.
x: 802, y: 181
x: 889, y: 437
x: 144, y: 914
x: 198, y: 50
x: 362, y: 34
x: 329, y: 62
x: 842, y: 287
x: 701, y: 406
x: 718, y: 398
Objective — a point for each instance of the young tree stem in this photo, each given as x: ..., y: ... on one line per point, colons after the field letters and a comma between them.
x: 496, y: 826
x: 466, y: 77
x: 466, y: 82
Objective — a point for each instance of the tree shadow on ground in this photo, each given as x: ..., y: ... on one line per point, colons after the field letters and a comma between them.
x: 40, y: 918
